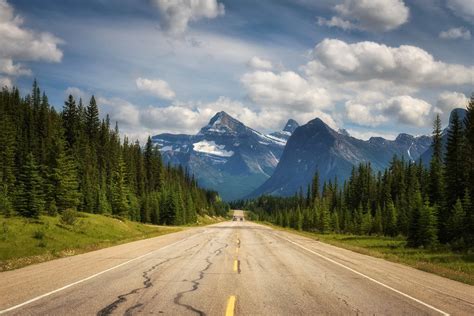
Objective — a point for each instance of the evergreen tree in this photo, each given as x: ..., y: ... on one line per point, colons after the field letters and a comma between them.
x: 92, y: 120
x: 65, y: 181
x: 456, y: 226
x: 391, y: 226
x: 427, y: 227
x: 120, y: 191
x: 454, y: 173
x: 413, y: 238
x: 71, y: 121
x: 469, y: 146
x: 436, y: 170
x: 29, y: 200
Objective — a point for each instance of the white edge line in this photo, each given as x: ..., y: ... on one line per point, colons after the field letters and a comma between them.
x: 92, y: 276
x: 367, y: 277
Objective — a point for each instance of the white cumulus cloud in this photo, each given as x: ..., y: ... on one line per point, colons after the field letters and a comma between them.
x: 20, y: 43
x: 175, y: 15
x: 156, y: 87
x: 284, y: 89
x: 456, y: 33
x: 401, y: 109
x: 449, y: 100
x: 404, y: 65
x: 369, y: 15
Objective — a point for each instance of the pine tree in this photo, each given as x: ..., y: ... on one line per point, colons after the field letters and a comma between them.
x: 454, y: 173
x: 427, y: 227
x: 367, y: 223
x: 119, y: 203
x: 413, y: 238
x: 469, y: 146
x: 377, y: 222
x: 71, y: 120
x: 315, y: 187
x: 92, y: 120
x: 436, y: 170
x: 29, y: 199
x: 65, y: 181
x: 324, y: 217
x: 456, y: 223
x: 299, y: 219
x: 391, y: 226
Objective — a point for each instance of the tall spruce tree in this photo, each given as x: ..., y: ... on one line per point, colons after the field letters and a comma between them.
x: 92, y: 120
x: 453, y: 174
x: 469, y: 146
x: 67, y: 195
x: 71, y: 121
x: 436, y: 185
x: 29, y: 195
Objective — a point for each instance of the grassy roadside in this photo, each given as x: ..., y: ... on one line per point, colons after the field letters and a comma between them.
x: 27, y: 241
x: 443, y: 262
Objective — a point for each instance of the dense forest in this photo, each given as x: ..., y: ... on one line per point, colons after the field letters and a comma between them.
x: 428, y: 205
x: 51, y: 163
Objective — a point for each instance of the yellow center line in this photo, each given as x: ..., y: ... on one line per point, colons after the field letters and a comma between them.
x: 236, y: 265
x: 230, y: 306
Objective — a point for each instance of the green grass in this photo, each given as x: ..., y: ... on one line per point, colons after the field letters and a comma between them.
x: 27, y: 241
x: 457, y: 266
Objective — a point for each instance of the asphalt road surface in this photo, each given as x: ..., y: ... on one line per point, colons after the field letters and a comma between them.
x: 231, y: 268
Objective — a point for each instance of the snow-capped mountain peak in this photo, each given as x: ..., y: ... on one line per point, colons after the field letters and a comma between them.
x: 226, y: 151
x: 223, y: 123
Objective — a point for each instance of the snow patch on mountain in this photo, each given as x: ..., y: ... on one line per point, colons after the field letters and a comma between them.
x: 210, y: 147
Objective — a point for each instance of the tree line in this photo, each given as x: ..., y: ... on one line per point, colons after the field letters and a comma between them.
x: 428, y: 205
x: 52, y: 162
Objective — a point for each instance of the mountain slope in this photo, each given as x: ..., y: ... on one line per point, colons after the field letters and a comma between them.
x: 226, y: 155
x: 316, y: 147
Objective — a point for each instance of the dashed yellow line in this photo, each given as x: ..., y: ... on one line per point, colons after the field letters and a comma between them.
x: 230, y: 306
x: 236, y: 265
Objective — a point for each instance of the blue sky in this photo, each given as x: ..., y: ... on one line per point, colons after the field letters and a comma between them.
x: 373, y: 67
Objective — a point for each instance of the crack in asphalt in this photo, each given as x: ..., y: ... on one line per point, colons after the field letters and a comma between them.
x: 147, y: 283
x: 196, y: 282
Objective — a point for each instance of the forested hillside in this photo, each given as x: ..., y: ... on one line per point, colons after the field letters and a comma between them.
x: 54, y: 162
x: 427, y: 205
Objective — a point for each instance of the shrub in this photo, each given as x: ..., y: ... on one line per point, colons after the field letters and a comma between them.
x: 38, y: 234
x: 69, y: 217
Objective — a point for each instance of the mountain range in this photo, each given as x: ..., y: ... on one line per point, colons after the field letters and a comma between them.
x: 317, y: 147
x: 226, y: 155
x: 240, y: 162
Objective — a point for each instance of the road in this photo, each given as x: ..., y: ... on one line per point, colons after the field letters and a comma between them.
x: 231, y: 268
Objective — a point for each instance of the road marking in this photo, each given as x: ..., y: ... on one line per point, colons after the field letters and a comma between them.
x: 367, y: 277
x: 229, y: 311
x: 236, y: 265
x: 92, y: 276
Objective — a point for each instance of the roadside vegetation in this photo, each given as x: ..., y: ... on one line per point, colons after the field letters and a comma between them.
x: 443, y: 261
x: 25, y: 241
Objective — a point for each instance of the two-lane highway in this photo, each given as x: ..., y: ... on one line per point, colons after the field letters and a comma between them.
x: 236, y: 267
